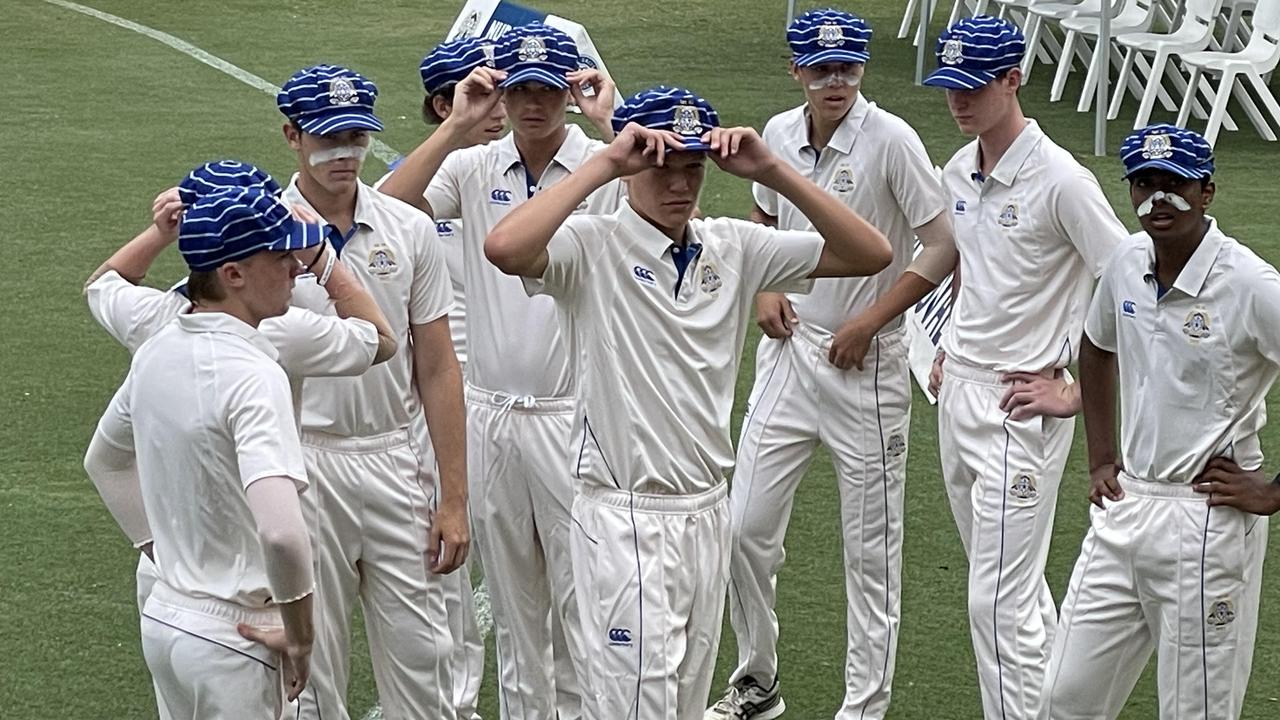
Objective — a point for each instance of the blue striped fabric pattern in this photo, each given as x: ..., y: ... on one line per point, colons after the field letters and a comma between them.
x: 536, y: 53
x: 449, y: 62
x: 327, y: 99
x: 669, y: 108
x: 975, y: 50
x: 232, y: 225
x: 828, y: 36
x: 223, y: 175
x: 1183, y: 152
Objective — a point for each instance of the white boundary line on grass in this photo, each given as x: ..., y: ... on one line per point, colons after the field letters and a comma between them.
x: 381, y: 150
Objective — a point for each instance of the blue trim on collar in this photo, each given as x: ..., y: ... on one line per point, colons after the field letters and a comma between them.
x: 339, y: 239
x: 683, y: 258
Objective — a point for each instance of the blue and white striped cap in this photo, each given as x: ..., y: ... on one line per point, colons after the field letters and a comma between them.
x: 327, y: 99
x: 1183, y: 152
x: 669, y: 108
x: 449, y: 62
x: 223, y: 175
x: 535, y: 53
x: 974, y: 51
x: 232, y: 225
x: 828, y: 36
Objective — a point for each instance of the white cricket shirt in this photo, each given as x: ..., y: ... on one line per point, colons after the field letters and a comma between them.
x: 307, y: 343
x: 395, y: 253
x: 206, y: 409
x: 659, y: 353
x: 876, y: 164
x: 1196, y: 363
x: 516, y: 343
x: 1032, y: 237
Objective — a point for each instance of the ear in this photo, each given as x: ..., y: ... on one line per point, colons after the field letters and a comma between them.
x: 794, y: 70
x: 442, y: 106
x: 231, y: 275
x: 1014, y: 77
x: 292, y: 136
x: 1207, y: 191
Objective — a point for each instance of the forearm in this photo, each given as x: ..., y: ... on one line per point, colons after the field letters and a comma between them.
x: 439, y: 381
x: 410, y: 180
x: 299, y: 628
x: 352, y: 300
x: 115, y: 475
x: 517, y: 245
x: 136, y: 257
x: 859, y: 245
x: 1098, y: 372
x: 938, y: 256
x: 902, y: 296
x: 286, y: 545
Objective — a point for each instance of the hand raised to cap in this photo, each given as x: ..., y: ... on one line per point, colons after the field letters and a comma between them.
x: 598, y: 106
x: 166, y: 213
x: 639, y: 148
x: 740, y: 151
x: 475, y: 98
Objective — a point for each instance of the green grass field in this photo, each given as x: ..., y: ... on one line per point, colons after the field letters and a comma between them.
x: 102, y: 118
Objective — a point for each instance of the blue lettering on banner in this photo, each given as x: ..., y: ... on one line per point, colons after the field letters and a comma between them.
x: 934, y: 309
x: 620, y: 637
x: 508, y: 15
x: 500, y: 196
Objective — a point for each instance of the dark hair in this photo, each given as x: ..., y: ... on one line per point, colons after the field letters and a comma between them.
x: 429, y: 114
x: 204, y: 286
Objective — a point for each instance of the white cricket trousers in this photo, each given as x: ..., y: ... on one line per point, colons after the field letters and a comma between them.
x: 651, y: 572
x: 519, y: 460
x: 800, y: 400
x: 1159, y: 570
x: 146, y: 578
x: 1002, y: 478
x: 373, y: 502
x: 201, y: 667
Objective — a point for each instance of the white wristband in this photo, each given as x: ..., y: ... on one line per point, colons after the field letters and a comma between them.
x: 323, y: 279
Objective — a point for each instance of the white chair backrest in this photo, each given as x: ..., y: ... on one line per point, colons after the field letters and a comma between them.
x: 1266, y: 21
x: 1201, y: 12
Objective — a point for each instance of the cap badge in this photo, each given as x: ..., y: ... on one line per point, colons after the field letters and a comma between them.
x: 685, y: 120
x: 1157, y: 146
x: 532, y: 49
x: 830, y: 35
x: 342, y: 92
x: 952, y: 52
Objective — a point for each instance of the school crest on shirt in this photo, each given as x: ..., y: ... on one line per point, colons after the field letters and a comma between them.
x: 382, y: 261
x: 1024, y: 486
x: 342, y: 92
x: 1196, y: 325
x: 1157, y: 146
x: 711, y: 281
x: 830, y: 35
x: 532, y: 49
x: 684, y: 120
x: 843, y: 181
x: 896, y: 447
x: 1221, y: 613
x: 952, y: 52
x: 1008, y: 216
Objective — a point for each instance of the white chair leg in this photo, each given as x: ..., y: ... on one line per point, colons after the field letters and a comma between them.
x: 1219, y: 106
x: 908, y: 16
x: 1259, y: 120
x: 1149, y: 90
x: 1091, y: 77
x: 981, y: 8
x: 1267, y: 97
x: 1198, y: 111
x: 1188, y: 97
x: 959, y: 8
x: 1064, y: 66
x: 1032, y: 34
x: 1118, y: 93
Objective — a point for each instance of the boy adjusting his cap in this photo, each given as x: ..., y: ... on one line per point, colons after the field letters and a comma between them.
x: 1185, y: 327
x: 660, y: 304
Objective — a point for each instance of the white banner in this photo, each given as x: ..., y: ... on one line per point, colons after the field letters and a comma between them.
x: 491, y: 18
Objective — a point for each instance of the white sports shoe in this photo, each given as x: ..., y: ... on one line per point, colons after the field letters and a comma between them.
x: 746, y: 700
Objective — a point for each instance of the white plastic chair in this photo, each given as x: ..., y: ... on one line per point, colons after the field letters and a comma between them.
x: 1038, y: 11
x: 1193, y: 34
x: 1259, y: 58
x: 1128, y: 16
x: 1047, y: 48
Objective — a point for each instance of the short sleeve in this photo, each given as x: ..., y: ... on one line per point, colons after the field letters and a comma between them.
x: 1100, y: 323
x: 431, y: 294
x: 444, y: 192
x: 131, y: 313
x: 775, y: 260
x: 1263, y: 322
x: 566, y: 254
x: 315, y: 345
x: 913, y: 179
x: 766, y: 199
x: 259, y: 411
x: 1085, y: 217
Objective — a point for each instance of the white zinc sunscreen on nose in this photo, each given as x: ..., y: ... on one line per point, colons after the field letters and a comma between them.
x: 1177, y: 201
x: 320, y: 157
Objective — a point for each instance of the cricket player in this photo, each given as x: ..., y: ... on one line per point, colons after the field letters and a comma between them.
x: 307, y: 343
x: 832, y: 369
x: 1034, y: 230
x: 521, y: 374
x: 199, y: 455
x: 1187, y: 321
x: 378, y: 512
x: 660, y: 304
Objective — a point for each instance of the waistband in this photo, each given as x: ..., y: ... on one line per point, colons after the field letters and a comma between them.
x: 212, y: 607
x: 523, y: 403
x: 661, y: 504
x: 1157, y: 489
x: 982, y: 376
x: 821, y: 339
x: 366, y: 445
